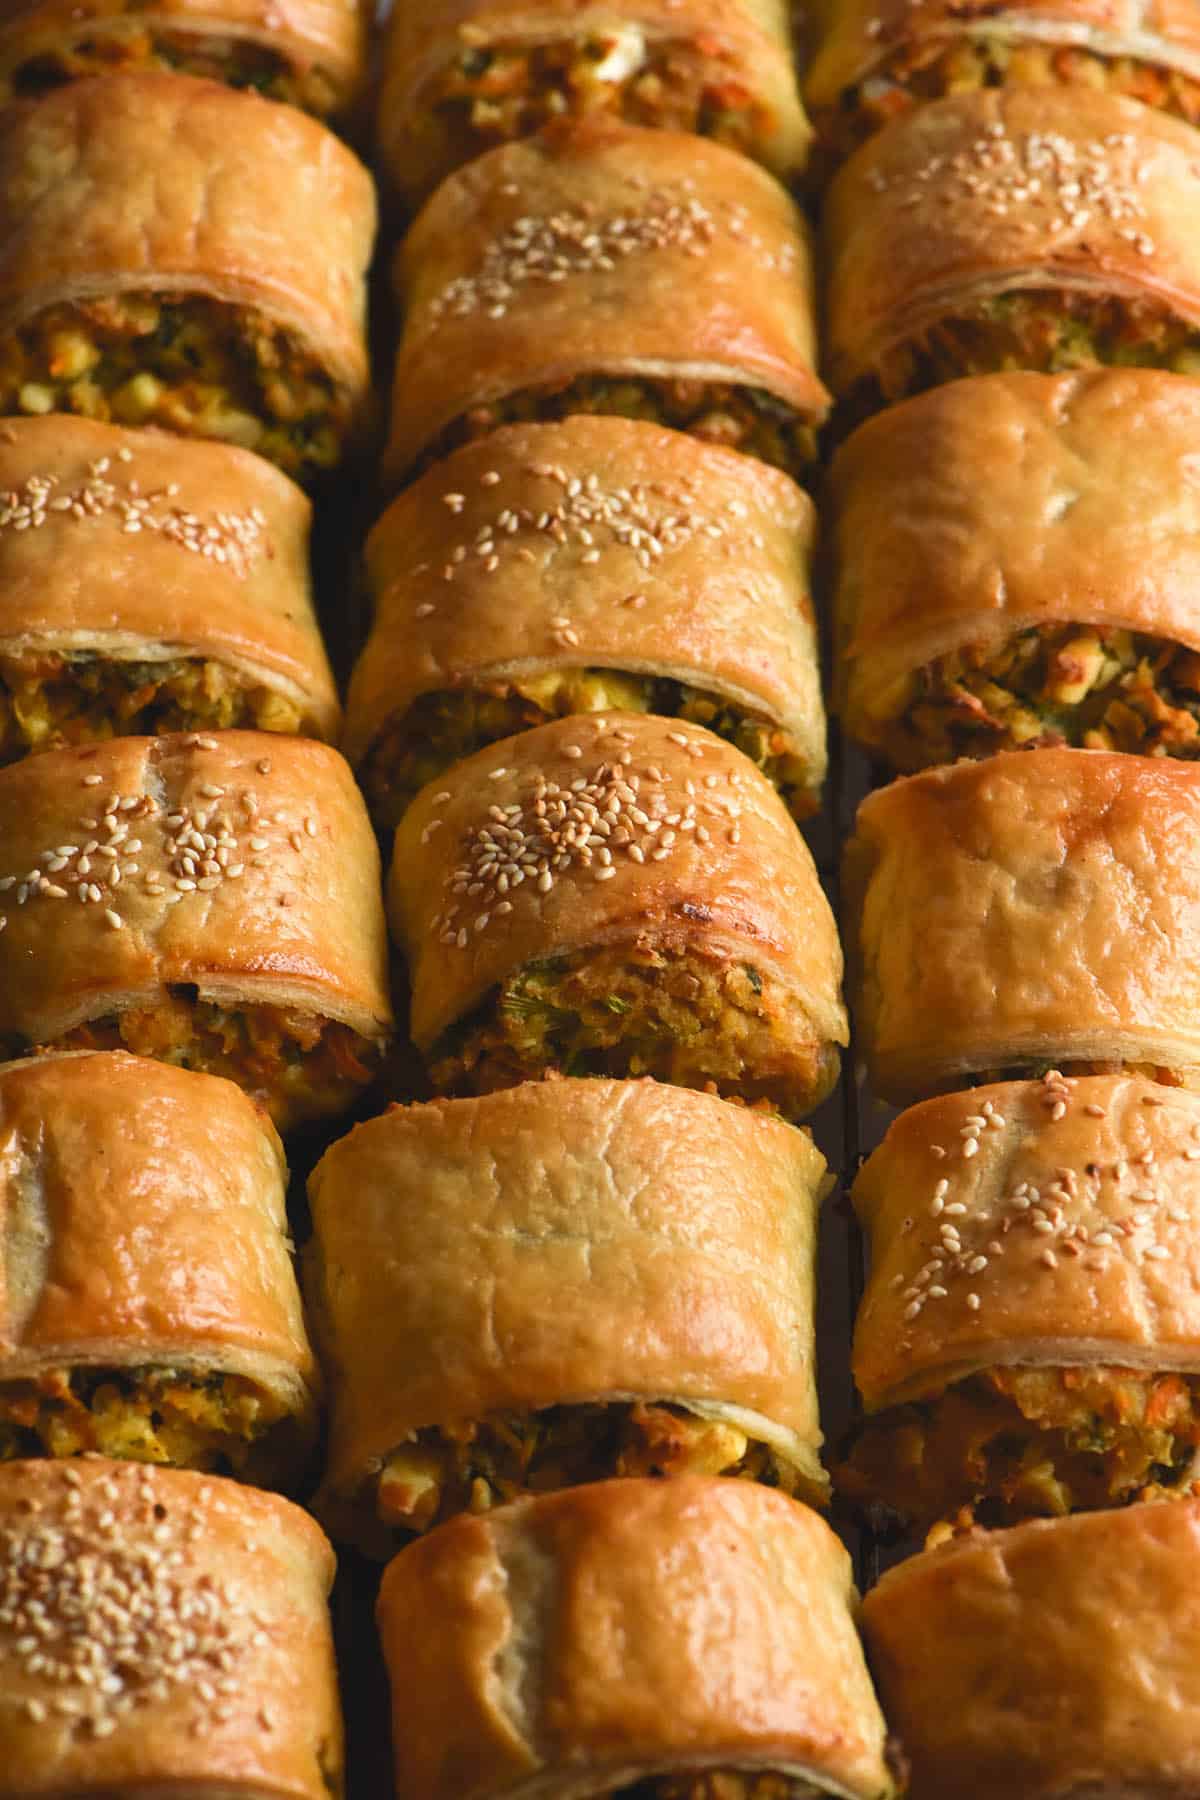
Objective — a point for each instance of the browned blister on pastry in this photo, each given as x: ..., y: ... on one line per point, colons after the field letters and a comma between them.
x: 210, y: 901
x: 1018, y: 563
x: 561, y: 1282
x: 174, y: 253
x: 664, y: 1640
x: 1058, y: 1660
x: 580, y: 567
x: 308, y: 53
x: 880, y: 58
x: 151, y: 1309
x: 464, y: 76
x: 1037, y: 910
x: 1016, y: 228
x: 163, y: 1633
x: 607, y: 268
x: 1029, y: 1341
x: 617, y: 896
x: 150, y: 584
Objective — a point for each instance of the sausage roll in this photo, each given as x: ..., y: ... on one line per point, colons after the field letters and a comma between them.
x: 175, y: 254
x: 1029, y: 1341
x: 1059, y: 1660
x: 151, y: 584
x: 162, y: 1633
x: 881, y: 58
x: 1040, y: 910
x: 308, y: 53
x: 617, y: 896
x: 571, y: 568
x: 1018, y: 564
x: 1044, y: 229
x: 605, y: 268
x: 152, y: 1313
x: 655, y: 1640
x: 210, y: 902
x: 567, y: 1280
x: 462, y: 77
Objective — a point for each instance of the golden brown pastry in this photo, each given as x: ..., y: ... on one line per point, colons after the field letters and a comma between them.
x: 564, y: 1281
x: 1044, y: 229
x: 309, y: 53
x: 607, y: 268
x: 462, y: 76
x: 1056, y: 1661
x: 209, y: 901
x: 619, y: 896
x: 880, y: 58
x: 1037, y: 910
x: 162, y: 1633
x: 1018, y: 563
x: 1029, y: 1341
x: 151, y: 1309
x: 151, y: 584
x: 631, y: 1638
x: 173, y: 253
x: 577, y: 567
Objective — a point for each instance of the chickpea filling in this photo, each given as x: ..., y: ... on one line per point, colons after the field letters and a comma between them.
x: 1052, y: 684
x: 195, y: 366
x: 1046, y: 330
x: 471, y: 1468
x: 221, y: 1424
x: 439, y: 729
x: 720, y: 1784
x: 741, y: 418
x: 697, y: 1021
x: 49, y: 700
x: 1010, y: 1444
x: 494, y: 94
x: 931, y: 69
x: 124, y: 43
x: 297, y: 1065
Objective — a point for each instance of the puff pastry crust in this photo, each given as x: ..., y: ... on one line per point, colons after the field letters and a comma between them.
x: 205, y: 1664
x: 625, y: 1630
x: 493, y: 873
x: 565, y: 1243
x: 1057, y: 1659
x: 1036, y: 908
x: 142, y: 547
x: 607, y: 254
x: 731, y: 77
x: 597, y: 543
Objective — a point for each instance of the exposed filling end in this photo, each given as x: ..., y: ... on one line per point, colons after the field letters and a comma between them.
x: 195, y: 366
x: 741, y: 418
x: 473, y: 1467
x: 720, y: 1784
x: 700, y: 1022
x: 1045, y: 330
x: 1012, y: 1444
x: 506, y: 91
x: 222, y: 1424
x: 928, y: 69
x: 49, y: 700
x: 126, y: 44
x: 1052, y: 684
x: 439, y: 729
x: 297, y: 1065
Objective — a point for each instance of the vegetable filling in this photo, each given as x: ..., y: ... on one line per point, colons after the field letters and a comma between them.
x: 223, y: 1424
x: 697, y: 1021
x: 445, y: 1470
x: 125, y: 44
x: 49, y: 700
x: 1053, y: 684
x: 1010, y: 1444
x: 195, y: 366
x: 441, y: 728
